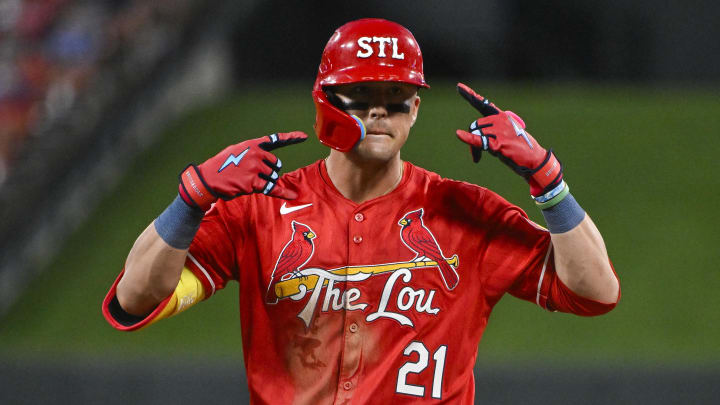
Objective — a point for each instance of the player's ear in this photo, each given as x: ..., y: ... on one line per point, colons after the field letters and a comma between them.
x: 414, y: 109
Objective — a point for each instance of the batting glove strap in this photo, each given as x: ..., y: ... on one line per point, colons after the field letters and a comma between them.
x: 193, y: 189
x: 546, y: 177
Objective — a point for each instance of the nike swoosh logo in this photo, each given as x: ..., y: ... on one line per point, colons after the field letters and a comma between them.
x: 286, y: 210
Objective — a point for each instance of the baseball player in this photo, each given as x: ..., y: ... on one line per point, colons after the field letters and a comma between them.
x: 363, y: 278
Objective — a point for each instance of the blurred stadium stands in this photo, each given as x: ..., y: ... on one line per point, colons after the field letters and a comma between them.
x: 80, y: 80
x: 59, y: 57
x: 86, y: 86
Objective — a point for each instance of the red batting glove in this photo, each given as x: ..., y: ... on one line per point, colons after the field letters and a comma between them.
x: 243, y: 168
x: 502, y: 133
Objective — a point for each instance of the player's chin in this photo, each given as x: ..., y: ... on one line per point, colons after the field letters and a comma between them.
x: 376, y: 151
x: 380, y: 147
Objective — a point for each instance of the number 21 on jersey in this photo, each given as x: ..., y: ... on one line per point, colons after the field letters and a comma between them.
x: 417, y: 367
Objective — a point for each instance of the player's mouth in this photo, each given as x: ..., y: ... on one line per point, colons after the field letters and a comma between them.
x: 377, y: 132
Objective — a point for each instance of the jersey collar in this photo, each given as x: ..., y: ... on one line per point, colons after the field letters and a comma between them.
x: 398, y: 190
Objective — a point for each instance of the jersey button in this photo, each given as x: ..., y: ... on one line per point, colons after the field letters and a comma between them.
x: 347, y: 385
x: 357, y: 238
x: 353, y: 328
x: 359, y: 217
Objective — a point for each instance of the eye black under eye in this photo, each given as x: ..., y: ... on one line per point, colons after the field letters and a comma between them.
x: 343, y: 105
x: 403, y: 107
x: 355, y: 105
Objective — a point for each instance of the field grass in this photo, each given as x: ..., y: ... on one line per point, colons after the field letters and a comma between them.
x: 642, y: 162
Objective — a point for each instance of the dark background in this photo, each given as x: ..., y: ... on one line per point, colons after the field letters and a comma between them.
x: 630, y: 41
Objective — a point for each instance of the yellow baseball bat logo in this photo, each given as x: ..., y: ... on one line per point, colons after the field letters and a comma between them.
x: 288, y: 288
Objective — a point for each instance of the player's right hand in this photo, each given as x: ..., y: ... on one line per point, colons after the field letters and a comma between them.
x: 244, y: 168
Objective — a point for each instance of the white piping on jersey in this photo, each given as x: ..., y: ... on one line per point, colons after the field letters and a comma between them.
x: 207, y: 275
x: 542, y: 275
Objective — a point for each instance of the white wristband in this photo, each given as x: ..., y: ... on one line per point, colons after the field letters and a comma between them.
x: 550, y: 194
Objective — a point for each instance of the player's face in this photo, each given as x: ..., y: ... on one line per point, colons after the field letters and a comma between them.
x: 387, y: 109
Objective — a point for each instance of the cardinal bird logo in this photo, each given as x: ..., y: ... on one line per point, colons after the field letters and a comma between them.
x: 294, y: 255
x: 419, y: 239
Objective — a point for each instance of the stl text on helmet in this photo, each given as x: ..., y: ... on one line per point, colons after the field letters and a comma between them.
x: 364, y: 43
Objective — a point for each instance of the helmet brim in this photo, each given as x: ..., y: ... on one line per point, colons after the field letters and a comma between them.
x: 375, y: 73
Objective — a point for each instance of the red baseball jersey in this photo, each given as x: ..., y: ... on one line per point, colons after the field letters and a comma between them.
x: 379, y: 302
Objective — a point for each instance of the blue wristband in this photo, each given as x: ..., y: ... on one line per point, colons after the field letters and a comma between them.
x: 563, y: 216
x: 178, y: 224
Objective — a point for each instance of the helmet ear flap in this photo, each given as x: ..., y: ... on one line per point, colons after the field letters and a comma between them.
x: 334, y: 127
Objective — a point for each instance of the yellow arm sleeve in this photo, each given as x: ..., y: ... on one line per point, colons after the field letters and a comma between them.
x: 188, y: 292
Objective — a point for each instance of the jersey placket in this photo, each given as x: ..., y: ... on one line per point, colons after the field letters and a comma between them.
x: 353, y: 325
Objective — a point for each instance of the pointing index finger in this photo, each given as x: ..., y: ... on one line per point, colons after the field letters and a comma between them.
x: 483, y: 105
x: 281, y: 139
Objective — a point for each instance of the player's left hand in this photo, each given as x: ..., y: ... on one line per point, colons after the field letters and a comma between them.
x: 502, y: 134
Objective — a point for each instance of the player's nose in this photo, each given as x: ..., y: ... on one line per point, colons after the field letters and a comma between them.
x: 378, y: 106
x: 378, y: 111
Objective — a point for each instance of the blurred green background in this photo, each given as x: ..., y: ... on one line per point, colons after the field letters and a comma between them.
x: 642, y: 161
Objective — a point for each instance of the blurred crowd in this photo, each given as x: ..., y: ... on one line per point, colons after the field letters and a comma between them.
x: 57, y: 55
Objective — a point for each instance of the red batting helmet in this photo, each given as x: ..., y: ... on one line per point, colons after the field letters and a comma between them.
x: 366, y: 50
